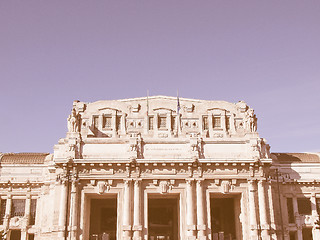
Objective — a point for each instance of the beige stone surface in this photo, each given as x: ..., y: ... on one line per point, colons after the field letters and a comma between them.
x: 203, y: 156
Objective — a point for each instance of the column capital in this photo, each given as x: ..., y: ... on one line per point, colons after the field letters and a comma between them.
x: 189, y: 181
x: 127, y: 181
x: 137, y: 182
x: 252, y: 181
x: 262, y: 181
x: 199, y: 181
x: 252, y: 185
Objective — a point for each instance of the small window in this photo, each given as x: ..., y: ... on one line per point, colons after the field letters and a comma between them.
x: 106, y: 122
x: 150, y: 123
x: 3, y: 206
x: 290, y: 210
x: 33, y: 208
x: 173, y: 123
x: 216, y: 122
x: 205, y: 123
x: 162, y: 122
x: 96, y: 122
x: 304, y: 206
x: 227, y: 123
x: 18, y: 207
x: 118, y: 122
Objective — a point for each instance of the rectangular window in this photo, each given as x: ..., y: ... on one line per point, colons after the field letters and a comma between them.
x: 3, y: 206
x: 30, y: 236
x: 33, y: 208
x: 96, y: 122
x: 150, y: 123
x: 15, y: 234
x: 227, y: 123
x: 307, y: 233
x: 18, y: 207
x: 106, y: 122
x: 304, y: 206
x: 318, y: 205
x: 290, y: 210
x: 118, y: 122
x: 162, y: 122
x: 205, y: 123
x: 292, y: 235
x: 173, y: 123
x: 216, y: 122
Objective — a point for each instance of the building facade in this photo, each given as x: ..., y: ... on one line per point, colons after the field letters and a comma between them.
x: 160, y: 168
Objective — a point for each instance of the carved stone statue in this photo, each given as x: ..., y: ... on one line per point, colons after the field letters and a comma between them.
x: 251, y: 121
x: 73, y: 122
x: 135, y: 146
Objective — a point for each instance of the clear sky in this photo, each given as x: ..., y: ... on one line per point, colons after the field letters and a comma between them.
x: 266, y: 53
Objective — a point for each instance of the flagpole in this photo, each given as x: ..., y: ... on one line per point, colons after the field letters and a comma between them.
x: 178, y: 113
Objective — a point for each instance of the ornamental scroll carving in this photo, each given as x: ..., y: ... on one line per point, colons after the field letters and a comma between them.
x: 164, y: 186
x: 104, y: 186
x: 226, y: 185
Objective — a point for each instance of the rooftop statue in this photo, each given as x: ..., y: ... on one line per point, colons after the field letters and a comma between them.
x: 73, y: 122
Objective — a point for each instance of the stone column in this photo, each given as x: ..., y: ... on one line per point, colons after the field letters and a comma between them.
x: 82, y: 214
x: 223, y: 122
x: 62, y: 210
x: 201, y: 226
x: 272, y: 210
x: 74, y: 210
x: 26, y: 217
x: 210, y: 120
x: 100, y: 122
x: 253, y: 210
x: 191, y: 227
x: 232, y: 124
x: 263, y: 211
x: 297, y: 218
x: 178, y: 123
x: 126, y: 210
x: 137, y: 227
x: 155, y: 124
x: 114, y: 124
x: 7, y: 215
x: 315, y: 216
x: 123, y: 123
x: 27, y: 209
x: 169, y: 126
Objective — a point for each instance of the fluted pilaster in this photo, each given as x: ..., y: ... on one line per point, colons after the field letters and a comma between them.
x: 201, y: 226
x: 191, y: 227
x: 137, y: 227
x: 253, y: 210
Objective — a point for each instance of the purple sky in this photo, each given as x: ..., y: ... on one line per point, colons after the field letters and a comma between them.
x: 266, y: 53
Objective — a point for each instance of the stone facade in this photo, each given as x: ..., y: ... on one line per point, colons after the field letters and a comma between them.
x: 160, y: 168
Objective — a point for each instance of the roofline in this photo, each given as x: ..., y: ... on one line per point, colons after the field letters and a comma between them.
x: 161, y: 97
